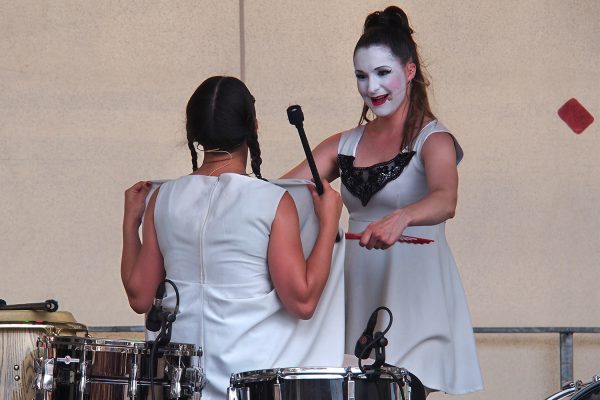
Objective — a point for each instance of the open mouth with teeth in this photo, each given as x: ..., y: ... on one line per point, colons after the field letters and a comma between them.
x: 379, y: 100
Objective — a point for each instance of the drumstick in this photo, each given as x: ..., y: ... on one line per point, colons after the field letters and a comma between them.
x: 403, y: 238
x: 296, y: 117
x: 48, y: 305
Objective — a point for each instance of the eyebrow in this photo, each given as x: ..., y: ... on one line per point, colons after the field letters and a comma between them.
x: 375, y: 69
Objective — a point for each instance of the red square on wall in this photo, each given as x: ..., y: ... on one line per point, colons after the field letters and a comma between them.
x: 575, y: 115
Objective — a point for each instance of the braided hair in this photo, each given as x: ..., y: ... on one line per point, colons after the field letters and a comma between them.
x: 390, y: 28
x: 221, y: 116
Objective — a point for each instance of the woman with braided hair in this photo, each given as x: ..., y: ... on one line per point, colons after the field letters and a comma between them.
x: 399, y: 176
x: 230, y: 242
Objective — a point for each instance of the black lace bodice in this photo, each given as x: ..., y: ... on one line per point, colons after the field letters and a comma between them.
x: 364, y: 182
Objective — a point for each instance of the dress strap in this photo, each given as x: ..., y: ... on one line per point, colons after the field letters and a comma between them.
x: 435, y: 126
x: 349, y: 140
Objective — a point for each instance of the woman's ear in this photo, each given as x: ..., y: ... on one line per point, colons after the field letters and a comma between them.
x: 411, y: 71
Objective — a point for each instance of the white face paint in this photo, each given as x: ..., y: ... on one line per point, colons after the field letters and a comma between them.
x: 380, y: 78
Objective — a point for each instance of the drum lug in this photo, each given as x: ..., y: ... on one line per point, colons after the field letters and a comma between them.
x: 277, y: 391
x: 234, y: 393
x: 350, y: 389
x: 175, y: 390
x: 133, y: 375
x: 44, y: 375
x: 83, y: 377
x: 195, y: 376
x: 407, y: 384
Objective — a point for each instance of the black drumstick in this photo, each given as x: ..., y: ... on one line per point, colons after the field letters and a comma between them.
x: 48, y: 305
x: 296, y: 117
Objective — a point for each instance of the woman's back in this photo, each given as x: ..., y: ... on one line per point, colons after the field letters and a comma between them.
x: 213, y: 233
x: 215, y: 230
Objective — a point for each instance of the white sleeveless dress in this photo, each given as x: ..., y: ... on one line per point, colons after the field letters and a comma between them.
x: 213, y: 233
x: 431, y: 335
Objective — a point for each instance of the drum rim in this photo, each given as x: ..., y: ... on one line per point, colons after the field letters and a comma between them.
x: 293, y: 370
x: 101, y: 344
x: 283, y: 372
x: 310, y: 370
x: 93, y: 341
x: 390, y: 370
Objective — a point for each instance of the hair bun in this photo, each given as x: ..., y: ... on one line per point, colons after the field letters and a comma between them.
x: 391, y: 18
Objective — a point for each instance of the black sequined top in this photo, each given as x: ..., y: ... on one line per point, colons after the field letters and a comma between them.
x: 364, y: 182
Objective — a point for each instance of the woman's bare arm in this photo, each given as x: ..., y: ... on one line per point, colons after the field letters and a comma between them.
x: 142, y: 267
x: 325, y: 155
x: 299, y: 283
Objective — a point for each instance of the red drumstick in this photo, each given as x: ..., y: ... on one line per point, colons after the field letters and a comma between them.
x: 403, y: 238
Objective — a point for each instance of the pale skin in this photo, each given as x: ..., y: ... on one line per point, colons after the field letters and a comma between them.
x: 298, y: 282
x: 381, y: 142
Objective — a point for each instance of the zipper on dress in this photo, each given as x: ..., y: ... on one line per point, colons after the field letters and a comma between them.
x: 202, y: 231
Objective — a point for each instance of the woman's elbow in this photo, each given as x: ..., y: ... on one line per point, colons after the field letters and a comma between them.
x: 451, y: 212
x: 451, y: 207
x: 305, y: 314
x: 303, y: 310
x: 139, y: 305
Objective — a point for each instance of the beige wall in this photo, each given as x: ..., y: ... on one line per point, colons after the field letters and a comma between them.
x: 93, y: 97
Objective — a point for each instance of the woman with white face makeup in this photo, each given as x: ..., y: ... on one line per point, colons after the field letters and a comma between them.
x: 399, y: 176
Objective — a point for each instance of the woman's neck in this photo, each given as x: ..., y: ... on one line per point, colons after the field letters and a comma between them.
x: 393, y: 123
x: 217, y: 163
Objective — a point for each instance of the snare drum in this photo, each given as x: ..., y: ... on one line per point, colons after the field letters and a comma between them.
x: 319, y: 384
x: 579, y: 391
x: 71, y: 367
x: 19, y: 331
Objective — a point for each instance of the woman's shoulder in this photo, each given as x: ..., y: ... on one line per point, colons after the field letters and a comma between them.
x: 252, y: 184
x: 230, y: 181
x: 434, y: 127
x: 348, y: 140
x: 430, y: 127
x: 357, y: 131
